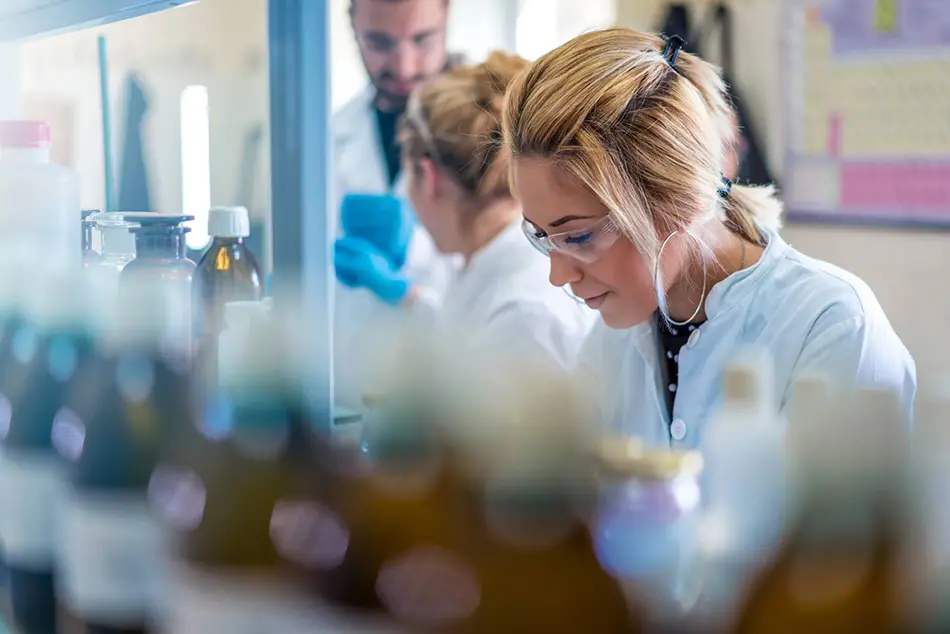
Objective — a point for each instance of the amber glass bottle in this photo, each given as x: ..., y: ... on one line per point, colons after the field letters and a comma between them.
x: 840, y: 567
x: 223, y: 499
x: 227, y: 272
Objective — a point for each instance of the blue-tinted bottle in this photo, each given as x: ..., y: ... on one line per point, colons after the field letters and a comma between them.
x: 48, y: 347
x: 123, y: 413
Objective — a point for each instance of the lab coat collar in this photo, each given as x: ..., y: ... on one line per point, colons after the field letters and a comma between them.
x: 723, y: 296
x: 735, y: 288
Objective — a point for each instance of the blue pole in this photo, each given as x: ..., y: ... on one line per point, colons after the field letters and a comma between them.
x: 105, y: 107
x: 299, y: 47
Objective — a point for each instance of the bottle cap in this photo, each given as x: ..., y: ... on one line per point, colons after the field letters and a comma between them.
x: 229, y: 222
x: 25, y: 134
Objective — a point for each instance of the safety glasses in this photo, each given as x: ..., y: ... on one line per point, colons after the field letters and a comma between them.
x: 586, y: 245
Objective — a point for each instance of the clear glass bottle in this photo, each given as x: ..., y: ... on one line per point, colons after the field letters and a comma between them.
x: 48, y: 348
x: 227, y: 272
x: 160, y: 261
x: 131, y: 406
x: 89, y: 252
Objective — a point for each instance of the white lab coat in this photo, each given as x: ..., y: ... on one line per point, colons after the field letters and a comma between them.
x: 361, y: 320
x: 502, y: 303
x: 812, y: 316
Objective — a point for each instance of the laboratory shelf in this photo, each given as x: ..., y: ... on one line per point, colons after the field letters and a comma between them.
x: 21, y: 19
x: 299, y: 50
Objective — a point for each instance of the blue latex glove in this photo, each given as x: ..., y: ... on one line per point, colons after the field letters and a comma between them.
x: 360, y: 264
x: 382, y: 220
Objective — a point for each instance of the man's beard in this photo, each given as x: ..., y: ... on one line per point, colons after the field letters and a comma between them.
x: 389, y: 102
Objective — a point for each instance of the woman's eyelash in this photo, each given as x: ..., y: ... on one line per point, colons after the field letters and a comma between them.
x: 581, y: 239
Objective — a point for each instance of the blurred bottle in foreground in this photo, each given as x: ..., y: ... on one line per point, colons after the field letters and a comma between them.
x: 645, y: 526
x: 48, y: 348
x: 223, y: 501
x: 539, y: 563
x: 124, y: 411
x: 743, y: 518
x: 841, y: 568
x: 931, y: 469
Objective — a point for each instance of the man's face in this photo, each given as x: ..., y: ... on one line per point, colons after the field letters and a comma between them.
x: 402, y: 43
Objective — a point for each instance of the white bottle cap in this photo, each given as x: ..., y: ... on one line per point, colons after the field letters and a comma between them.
x: 229, y: 222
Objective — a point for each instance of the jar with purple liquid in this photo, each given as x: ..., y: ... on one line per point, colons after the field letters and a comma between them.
x: 645, y: 526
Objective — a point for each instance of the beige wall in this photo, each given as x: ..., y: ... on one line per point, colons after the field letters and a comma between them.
x: 905, y: 268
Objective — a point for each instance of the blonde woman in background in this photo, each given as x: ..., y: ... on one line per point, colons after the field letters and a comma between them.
x: 457, y: 171
x: 618, y: 141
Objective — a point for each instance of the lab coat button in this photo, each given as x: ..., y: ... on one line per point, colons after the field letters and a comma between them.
x: 678, y: 429
x: 693, y: 338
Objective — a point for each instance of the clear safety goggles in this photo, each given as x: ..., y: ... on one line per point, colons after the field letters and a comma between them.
x: 586, y: 245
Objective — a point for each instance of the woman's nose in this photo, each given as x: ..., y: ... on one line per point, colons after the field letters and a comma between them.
x: 564, y: 270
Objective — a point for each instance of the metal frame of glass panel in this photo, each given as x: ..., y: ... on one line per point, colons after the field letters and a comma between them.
x: 20, y: 19
x: 299, y: 49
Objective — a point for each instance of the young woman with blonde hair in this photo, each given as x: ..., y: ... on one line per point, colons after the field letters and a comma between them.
x: 618, y: 139
x: 457, y: 171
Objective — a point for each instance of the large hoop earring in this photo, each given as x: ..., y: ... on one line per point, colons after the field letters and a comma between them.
x: 661, y: 292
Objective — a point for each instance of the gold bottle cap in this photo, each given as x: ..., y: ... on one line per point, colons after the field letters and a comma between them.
x: 631, y: 458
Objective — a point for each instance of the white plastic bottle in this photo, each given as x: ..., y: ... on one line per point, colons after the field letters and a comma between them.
x: 743, y: 449
x: 39, y: 200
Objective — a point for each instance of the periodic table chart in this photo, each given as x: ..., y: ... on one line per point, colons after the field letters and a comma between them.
x: 868, y: 111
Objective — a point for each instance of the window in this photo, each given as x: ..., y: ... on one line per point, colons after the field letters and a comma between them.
x: 196, y: 163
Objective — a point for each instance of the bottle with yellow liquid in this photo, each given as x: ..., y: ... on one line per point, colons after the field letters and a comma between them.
x: 373, y: 510
x: 122, y: 411
x: 227, y: 272
x: 841, y: 567
x: 535, y: 558
x: 225, y: 498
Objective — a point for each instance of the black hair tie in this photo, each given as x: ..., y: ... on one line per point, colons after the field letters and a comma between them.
x: 673, y: 45
x: 726, y: 188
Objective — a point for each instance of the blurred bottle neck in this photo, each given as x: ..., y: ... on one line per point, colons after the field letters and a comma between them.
x: 160, y: 245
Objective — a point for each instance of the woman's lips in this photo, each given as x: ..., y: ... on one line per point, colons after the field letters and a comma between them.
x: 596, y: 302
